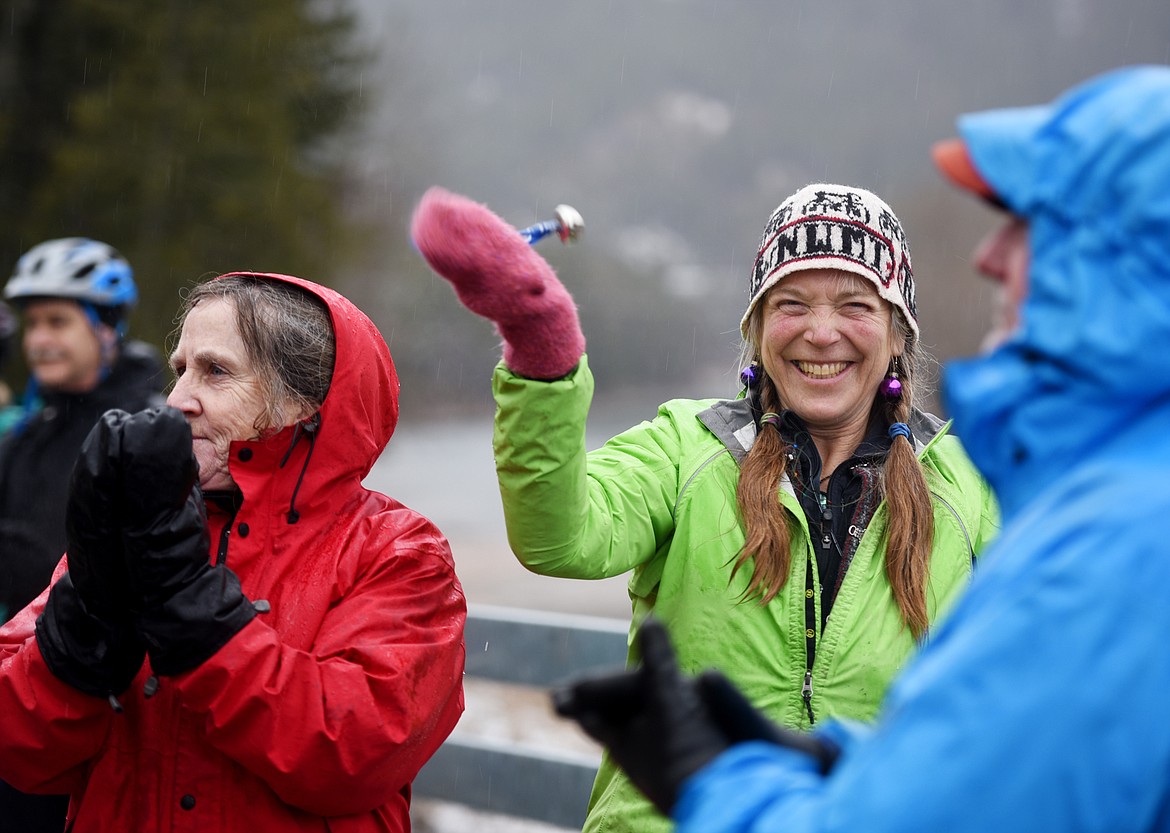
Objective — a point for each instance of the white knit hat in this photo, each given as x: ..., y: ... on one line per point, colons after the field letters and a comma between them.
x: 825, y: 226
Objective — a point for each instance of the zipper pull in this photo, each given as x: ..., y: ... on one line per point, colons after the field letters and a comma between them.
x: 806, y: 692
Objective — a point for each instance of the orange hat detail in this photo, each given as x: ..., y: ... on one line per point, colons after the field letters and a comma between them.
x: 951, y: 157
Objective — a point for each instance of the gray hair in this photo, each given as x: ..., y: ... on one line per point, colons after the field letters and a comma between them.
x: 288, y: 337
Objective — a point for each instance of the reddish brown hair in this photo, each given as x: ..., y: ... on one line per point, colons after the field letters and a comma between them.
x: 910, y: 529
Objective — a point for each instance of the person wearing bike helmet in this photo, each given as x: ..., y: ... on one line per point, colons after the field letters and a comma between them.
x: 9, y: 411
x: 73, y: 296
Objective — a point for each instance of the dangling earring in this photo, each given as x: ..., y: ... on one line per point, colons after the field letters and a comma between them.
x: 749, y: 377
x: 891, y: 387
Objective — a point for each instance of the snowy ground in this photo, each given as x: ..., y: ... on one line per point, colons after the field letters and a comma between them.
x: 436, y: 817
x: 518, y: 714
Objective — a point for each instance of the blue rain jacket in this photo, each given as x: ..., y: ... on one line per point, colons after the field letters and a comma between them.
x: 1041, y: 702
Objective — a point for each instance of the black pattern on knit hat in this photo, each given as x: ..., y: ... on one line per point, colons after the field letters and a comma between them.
x: 824, y: 226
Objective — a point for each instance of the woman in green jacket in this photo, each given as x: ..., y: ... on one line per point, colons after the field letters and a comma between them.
x: 801, y: 537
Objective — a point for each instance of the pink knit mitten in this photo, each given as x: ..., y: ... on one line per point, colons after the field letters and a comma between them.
x: 498, y: 275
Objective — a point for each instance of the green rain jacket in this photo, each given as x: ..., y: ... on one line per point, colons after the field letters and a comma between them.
x: 658, y: 501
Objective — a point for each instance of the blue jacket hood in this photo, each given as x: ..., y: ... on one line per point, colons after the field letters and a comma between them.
x: 1091, y: 175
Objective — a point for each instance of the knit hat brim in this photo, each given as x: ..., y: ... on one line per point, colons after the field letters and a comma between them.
x: 825, y: 226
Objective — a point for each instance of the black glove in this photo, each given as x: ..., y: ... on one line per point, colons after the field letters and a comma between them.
x: 90, y: 653
x: 94, y: 516
x: 187, y: 608
x: 86, y: 632
x: 653, y: 721
x: 661, y: 727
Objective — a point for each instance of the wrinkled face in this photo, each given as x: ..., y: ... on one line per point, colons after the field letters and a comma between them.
x: 1004, y: 255
x: 826, y: 341
x: 62, y: 348
x: 216, y: 388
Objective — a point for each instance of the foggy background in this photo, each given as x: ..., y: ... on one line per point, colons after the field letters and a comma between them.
x: 675, y: 128
x: 297, y: 136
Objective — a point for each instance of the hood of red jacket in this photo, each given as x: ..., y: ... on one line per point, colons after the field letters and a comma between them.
x: 361, y: 408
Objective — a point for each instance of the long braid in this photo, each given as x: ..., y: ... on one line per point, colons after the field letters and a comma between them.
x: 910, y: 531
x: 767, y: 537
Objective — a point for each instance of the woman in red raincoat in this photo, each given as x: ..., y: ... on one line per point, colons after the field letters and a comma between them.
x: 303, y: 636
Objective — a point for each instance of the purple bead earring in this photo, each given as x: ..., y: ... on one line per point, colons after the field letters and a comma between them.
x: 891, y: 387
x: 749, y: 377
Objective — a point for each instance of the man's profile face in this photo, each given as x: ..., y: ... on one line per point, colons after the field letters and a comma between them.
x: 61, y: 348
x: 1004, y: 255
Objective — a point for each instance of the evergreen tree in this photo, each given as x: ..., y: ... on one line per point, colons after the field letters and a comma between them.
x: 197, y: 138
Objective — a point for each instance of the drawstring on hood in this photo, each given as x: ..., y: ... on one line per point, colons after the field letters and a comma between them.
x: 304, y: 428
x: 360, y: 408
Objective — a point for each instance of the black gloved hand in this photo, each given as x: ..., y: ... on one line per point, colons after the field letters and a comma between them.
x: 652, y: 720
x: 93, y: 654
x: 661, y: 727
x: 187, y: 608
x: 86, y: 632
x: 94, y: 519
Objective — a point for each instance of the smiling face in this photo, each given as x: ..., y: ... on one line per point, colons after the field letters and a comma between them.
x: 62, y: 348
x: 216, y: 387
x: 826, y: 341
